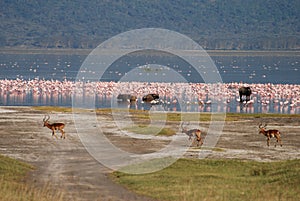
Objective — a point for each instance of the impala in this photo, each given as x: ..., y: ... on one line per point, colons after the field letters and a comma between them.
x: 54, y: 126
x: 193, y: 132
x: 269, y: 134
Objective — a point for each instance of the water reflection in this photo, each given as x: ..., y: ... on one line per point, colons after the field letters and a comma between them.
x: 184, y: 97
x: 108, y: 101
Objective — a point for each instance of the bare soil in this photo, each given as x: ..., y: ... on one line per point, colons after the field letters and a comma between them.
x: 66, y: 166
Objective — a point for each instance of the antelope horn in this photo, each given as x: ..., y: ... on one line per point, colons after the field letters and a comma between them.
x: 182, y: 124
x: 259, y: 126
x: 47, y: 118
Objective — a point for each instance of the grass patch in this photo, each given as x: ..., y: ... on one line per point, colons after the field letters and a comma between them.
x: 11, y: 169
x: 209, y: 179
x: 216, y: 117
x: 150, y: 130
x: 204, y: 117
x: 52, y: 109
x: 65, y: 109
x: 12, y: 172
x: 171, y: 116
x: 216, y: 149
x: 261, y: 115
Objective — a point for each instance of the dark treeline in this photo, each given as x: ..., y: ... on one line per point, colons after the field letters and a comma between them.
x: 214, y: 24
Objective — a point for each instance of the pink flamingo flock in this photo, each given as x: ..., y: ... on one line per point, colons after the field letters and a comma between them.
x: 279, y: 96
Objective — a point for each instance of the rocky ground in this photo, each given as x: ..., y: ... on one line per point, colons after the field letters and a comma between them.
x: 67, y: 166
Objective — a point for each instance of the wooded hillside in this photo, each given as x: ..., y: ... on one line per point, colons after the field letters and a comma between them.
x: 214, y: 24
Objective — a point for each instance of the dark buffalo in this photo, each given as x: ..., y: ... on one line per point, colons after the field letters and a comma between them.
x: 151, y: 98
x: 245, y: 91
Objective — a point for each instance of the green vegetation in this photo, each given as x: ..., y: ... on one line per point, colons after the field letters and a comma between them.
x: 150, y: 130
x: 261, y: 115
x: 52, y: 109
x: 172, y: 116
x: 65, y: 109
x: 12, y: 188
x: 11, y: 169
x: 215, y: 24
x: 209, y: 179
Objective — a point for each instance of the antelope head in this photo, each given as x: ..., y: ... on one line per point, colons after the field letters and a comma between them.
x: 262, y: 129
x: 46, y: 119
x: 184, y: 130
x: 189, y: 133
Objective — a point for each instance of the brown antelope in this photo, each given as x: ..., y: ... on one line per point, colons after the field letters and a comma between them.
x: 269, y: 134
x: 193, y: 132
x: 55, y: 126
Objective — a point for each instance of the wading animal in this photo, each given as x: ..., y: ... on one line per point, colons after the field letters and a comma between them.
x: 245, y: 91
x: 196, y: 133
x: 151, y: 98
x: 54, y: 126
x: 269, y: 134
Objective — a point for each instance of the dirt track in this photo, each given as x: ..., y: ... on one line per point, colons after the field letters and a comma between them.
x: 66, y: 165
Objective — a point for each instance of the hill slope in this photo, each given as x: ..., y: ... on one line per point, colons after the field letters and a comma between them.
x: 215, y: 24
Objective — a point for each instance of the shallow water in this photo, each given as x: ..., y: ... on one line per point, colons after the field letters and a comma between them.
x: 247, y: 69
x: 186, y: 97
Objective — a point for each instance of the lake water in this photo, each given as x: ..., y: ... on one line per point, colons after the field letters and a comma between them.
x: 251, y: 68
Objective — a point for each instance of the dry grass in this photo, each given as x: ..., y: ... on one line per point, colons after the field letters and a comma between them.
x: 13, y: 187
